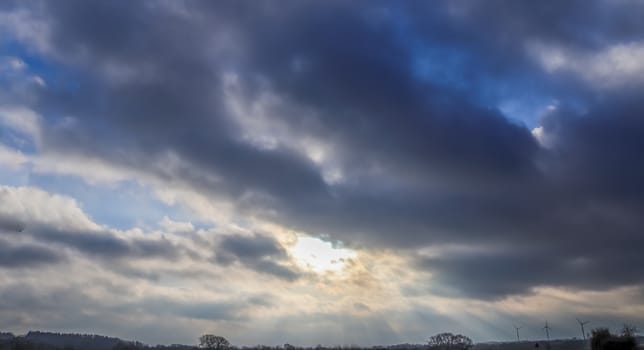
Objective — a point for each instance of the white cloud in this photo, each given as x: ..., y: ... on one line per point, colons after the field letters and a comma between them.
x: 92, y: 170
x: 263, y: 122
x: 11, y: 64
x: 611, y: 67
x: 38, y: 80
x: 29, y: 204
x: 21, y: 119
x: 176, y: 226
x: 12, y: 158
x: 27, y: 27
x: 539, y: 134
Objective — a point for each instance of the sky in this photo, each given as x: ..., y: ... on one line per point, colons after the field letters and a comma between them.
x: 321, y: 172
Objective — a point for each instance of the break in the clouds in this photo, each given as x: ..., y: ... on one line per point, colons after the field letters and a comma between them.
x: 363, y: 172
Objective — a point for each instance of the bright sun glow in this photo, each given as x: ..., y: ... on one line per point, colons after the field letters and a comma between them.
x: 320, y: 256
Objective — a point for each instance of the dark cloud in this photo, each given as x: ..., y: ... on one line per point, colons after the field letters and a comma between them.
x: 595, y: 154
x: 407, y: 95
x: 259, y: 252
x: 102, y: 244
x: 215, y: 311
x: 361, y: 307
x: 520, y: 269
x: 108, y: 245
x: 264, y: 300
x: 8, y: 224
x: 27, y: 255
x: 252, y: 247
x: 599, y: 22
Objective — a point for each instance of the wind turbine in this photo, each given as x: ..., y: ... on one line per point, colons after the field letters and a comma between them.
x: 547, y: 328
x: 583, y: 333
x: 517, y: 328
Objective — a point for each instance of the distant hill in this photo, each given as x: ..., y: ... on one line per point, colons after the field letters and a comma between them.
x: 36, y: 340
x: 75, y: 341
x: 557, y: 344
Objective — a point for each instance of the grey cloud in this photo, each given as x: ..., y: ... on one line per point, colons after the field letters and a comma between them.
x: 27, y: 255
x: 24, y: 305
x: 259, y: 252
x: 519, y: 269
x: 264, y: 300
x: 558, y: 21
x: 103, y: 244
x: 183, y: 83
x: 215, y: 311
x: 11, y: 224
x: 275, y: 269
x: 361, y: 307
x: 253, y: 247
x: 108, y: 245
x: 426, y: 159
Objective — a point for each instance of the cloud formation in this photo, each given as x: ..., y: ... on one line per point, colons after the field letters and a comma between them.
x: 491, y: 151
x: 259, y: 252
x: 26, y: 255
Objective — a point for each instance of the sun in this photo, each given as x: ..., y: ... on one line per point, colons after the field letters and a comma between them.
x: 320, y: 256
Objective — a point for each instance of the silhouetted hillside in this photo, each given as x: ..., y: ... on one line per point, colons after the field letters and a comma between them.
x: 560, y: 344
x: 36, y: 340
x: 76, y: 341
x: 57, y: 341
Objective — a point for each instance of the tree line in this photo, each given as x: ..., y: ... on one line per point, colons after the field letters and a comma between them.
x: 602, y: 339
